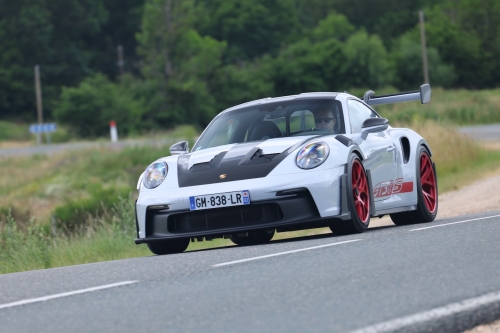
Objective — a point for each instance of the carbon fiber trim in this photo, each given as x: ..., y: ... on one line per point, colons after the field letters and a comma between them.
x: 245, y: 163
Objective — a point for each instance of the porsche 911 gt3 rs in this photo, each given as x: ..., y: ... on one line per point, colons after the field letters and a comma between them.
x: 311, y: 160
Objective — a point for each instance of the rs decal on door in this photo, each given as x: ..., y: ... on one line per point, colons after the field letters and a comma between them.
x: 391, y: 187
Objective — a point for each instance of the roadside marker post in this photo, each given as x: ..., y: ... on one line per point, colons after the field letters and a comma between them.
x: 113, y: 131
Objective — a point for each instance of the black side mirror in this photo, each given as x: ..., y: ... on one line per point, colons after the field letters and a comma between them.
x: 179, y: 148
x: 373, y: 125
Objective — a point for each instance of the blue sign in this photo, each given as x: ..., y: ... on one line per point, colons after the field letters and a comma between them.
x: 43, y: 128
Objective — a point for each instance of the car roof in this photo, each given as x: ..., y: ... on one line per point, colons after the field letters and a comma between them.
x: 283, y: 98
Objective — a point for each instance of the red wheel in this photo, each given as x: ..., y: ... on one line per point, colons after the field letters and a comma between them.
x: 358, y: 200
x: 360, y: 191
x: 427, y: 193
x: 428, y: 181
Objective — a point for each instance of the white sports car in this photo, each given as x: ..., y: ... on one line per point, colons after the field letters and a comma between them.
x: 288, y: 163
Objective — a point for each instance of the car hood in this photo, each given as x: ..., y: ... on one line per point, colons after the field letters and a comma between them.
x: 236, y: 161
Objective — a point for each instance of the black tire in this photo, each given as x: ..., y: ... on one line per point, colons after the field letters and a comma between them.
x: 427, y: 195
x: 358, y: 200
x: 169, y: 246
x: 254, y: 237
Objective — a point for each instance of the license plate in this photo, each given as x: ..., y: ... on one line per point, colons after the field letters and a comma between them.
x: 219, y: 200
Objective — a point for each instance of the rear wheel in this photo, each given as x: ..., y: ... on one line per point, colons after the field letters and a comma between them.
x: 427, y: 194
x: 358, y: 200
x: 169, y: 246
x: 254, y: 237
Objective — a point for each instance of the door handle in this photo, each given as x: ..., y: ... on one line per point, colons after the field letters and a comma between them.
x: 391, y: 148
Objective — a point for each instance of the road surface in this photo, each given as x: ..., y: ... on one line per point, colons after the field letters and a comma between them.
x: 441, y: 276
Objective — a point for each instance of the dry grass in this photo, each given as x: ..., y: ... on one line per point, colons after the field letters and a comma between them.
x: 459, y: 160
x: 15, y: 144
x: 34, y: 186
x: 451, y: 150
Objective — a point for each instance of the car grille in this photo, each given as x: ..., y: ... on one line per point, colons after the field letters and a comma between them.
x: 227, y: 217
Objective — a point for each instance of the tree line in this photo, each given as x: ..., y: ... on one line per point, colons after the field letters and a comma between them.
x: 186, y: 60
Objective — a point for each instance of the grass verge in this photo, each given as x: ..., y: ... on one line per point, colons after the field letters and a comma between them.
x: 89, y: 187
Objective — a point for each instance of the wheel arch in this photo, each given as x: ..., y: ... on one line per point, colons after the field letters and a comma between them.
x: 426, y: 145
x: 357, y: 151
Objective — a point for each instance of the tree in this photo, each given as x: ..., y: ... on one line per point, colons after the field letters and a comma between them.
x: 178, y: 63
x: 467, y: 34
x: 367, y: 61
x: 407, y: 55
x: 251, y: 28
x: 89, y: 108
x: 460, y: 48
x: 54, y: 34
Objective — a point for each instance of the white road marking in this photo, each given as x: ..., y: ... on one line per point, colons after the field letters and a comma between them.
x: 283, y: 253
x: 447, y: 224
x: 450, y: 309
x: 70, y: 293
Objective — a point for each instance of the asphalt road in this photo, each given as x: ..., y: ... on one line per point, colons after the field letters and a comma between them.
x: 389, y: 278
x: 482, y: 132
x: 49, y: 149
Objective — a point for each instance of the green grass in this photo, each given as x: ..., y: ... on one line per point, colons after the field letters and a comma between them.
x: 10, y: 131
x: 459, y: 107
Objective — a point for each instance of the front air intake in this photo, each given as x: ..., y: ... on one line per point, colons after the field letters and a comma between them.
x: 219, y: 218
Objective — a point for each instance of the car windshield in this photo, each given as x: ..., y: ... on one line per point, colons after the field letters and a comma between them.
x: 274, y: 120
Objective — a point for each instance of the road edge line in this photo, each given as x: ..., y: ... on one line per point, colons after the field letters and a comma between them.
x: 451, y: 223
x: 66, y: 294
x: 455, y: 317
x: 283, y: 253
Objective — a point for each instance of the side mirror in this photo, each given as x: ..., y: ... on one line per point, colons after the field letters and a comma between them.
x: 373, y: 125
x: 179, y: 148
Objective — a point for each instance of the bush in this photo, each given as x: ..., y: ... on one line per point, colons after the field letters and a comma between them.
x: 76, y: 215
x: 14, y: 132
x: 89, y: 108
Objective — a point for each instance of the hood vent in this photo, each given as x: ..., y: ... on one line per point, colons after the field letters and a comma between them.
x: 212, y: 164
x: 255, y: 157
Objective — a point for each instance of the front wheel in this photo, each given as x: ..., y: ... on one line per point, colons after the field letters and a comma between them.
x: 254, y: 237
x: 427, y: 194
x: 169, y: 246
x: 358, y: 200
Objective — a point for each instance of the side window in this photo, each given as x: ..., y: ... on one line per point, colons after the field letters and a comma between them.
x: 281, y: 123
x: 301, y: 121
x: 358, y: 113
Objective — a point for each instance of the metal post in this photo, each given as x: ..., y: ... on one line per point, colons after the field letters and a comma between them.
x: 424, y: 47
x: 53, y: 227
x: 39, y: 110
x: 38, y: 89
x: 121, y: 62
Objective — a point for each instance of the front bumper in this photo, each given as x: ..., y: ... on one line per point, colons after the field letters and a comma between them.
x: 288, y: 202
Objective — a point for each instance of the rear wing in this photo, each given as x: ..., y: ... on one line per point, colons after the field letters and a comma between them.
x: 423, y: 94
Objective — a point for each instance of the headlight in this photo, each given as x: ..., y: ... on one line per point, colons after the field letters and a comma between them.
x: 312, y: 155
x: 155, y: 174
